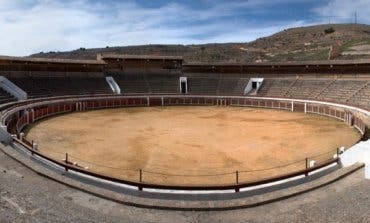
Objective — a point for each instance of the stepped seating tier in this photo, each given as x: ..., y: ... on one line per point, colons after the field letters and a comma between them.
x: 307, y: 88
x: 5, y: 97
x: 354, y: 91
x: 59, y: 86
x: 275, y: 87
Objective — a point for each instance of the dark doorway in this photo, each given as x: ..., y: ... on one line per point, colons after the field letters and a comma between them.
x: 254, y: 85
x: 183, y: 87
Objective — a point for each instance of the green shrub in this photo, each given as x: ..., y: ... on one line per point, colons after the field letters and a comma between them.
x: 329, y: 30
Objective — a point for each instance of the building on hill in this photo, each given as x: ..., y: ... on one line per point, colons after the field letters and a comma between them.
x: 120, y: 64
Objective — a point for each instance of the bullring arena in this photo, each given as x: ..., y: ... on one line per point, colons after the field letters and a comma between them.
x: 156, y: 133
x: 192, y: 145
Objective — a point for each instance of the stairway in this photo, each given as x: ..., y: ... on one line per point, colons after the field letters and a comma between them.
x: 286, y: 93
x: 358, y: 91
x: 327, y: 86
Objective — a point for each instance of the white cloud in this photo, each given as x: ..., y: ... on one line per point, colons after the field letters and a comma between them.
x: 30, y: 26
x: 343, y: 11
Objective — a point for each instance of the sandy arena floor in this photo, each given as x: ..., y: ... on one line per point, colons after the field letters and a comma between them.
x: 191, y: 145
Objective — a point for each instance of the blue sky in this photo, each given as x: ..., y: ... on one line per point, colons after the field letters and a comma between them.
x: 30, y: 26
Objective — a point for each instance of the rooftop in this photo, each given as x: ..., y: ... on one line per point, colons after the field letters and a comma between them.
x: 50, y: 60
x: 145, y: 57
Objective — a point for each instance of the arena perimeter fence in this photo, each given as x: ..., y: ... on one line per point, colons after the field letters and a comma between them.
x: 17, y: 118
x: 210, y: 180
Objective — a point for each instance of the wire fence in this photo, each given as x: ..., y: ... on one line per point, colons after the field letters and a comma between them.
x: 186, y: 177
x: 163, y: 175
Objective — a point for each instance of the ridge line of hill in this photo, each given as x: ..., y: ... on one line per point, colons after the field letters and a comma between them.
x: 319, y: 42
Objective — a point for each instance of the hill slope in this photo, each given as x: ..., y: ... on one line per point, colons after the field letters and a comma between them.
x: 322, y: 42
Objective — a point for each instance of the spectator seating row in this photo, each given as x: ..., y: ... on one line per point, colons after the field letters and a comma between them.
x: 343, y: 90
x: 59, y: 86
x: 5, y: 97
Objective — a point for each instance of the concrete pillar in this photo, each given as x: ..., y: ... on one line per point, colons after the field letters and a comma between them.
x: 34, y: 146
x: 312, y: 163
x: 28, y: 117
x: 33, y: 115
x: 21, y: 136
x: 349, y: 119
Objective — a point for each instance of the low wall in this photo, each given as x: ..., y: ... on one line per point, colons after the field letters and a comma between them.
x: 16, y: 118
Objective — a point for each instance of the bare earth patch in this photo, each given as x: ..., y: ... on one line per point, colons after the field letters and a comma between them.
x: 174, y: 145
x: 358, y: 50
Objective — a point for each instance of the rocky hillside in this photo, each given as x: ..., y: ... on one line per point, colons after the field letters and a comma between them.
x: 322, y: 42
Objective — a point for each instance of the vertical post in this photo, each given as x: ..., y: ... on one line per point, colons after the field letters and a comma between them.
x: 338, y: 156
x: 32, y: 148
x: 21, y: 136
x: 292, y: 105
x: 28, y: 117
x: 305, y: 107
x: 237, y: 181
x: 306, y: 174
x: 140, y: 179
x: 66, y: 160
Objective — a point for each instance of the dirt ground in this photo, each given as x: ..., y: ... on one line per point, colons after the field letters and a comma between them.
x: 192, y: 145
x: 358, y: 50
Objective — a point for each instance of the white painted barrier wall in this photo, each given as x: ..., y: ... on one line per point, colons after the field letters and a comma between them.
x: 358, y: 153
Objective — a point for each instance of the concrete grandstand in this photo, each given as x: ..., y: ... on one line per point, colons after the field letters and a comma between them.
x: 33, y: 89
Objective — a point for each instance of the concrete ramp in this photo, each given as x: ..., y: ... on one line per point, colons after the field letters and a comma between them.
x: 358, y: 153
x: 253, y: 86
x: 4, y: 135
x: 113, y: 85
x: 12, y: 89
